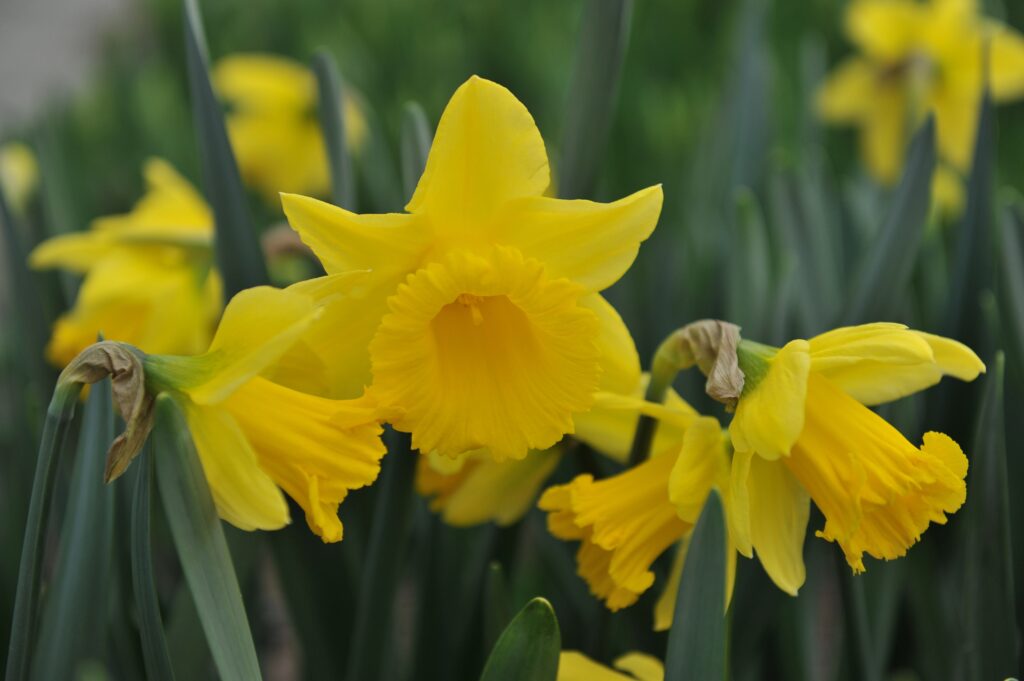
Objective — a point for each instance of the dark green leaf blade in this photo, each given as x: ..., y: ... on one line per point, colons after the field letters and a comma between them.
x: 80, y: 587
x: 237, y: 245
x: 416, y: 140
x: 594, y: 89
x: 529, y: 647
x: 696, y: 643
x: 1011, y: 281
x: 202, y: 548
x: 332, y: 123
x: 990, y: 626
x: 888, y: 264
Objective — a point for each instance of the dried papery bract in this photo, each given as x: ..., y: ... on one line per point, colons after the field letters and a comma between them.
x: 123, y: 364
x: 710, y: 344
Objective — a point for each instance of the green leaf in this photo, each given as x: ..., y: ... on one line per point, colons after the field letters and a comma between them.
x: 332, y: 123
x: 593, y: 92
x: 1011, y: 281
x: 202, y: 549
x: 750, y: 285
x: 416, y: 140
x: 529, y: 647
x: 972, y: 270
x: 151, y: 626
x: 371, y: 634
x: 495, y: 604
x: 82, y: 575
x: 990, y: 625
x: 696, y: 642
x: 886, y: 268
x: 236, y: 242
x: 27, y: 597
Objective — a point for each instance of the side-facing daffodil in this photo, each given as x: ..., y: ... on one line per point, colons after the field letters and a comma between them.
x: 803, y: 431
x: 19, y: 174
x: 914, y: 58
x: 481, y: 314
x: 273, y: 123
x: 148, y: 279
x: 575, y: 666
x: 253, y: 435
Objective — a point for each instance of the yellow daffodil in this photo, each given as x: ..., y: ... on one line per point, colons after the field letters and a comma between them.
x: 481, y: 310
x: 253, y: 435
x: 916, y: 57
x: 19, y: 174
x: 575, y: 666
x: 273, y: 123
x: 148, y: 276
x: 802, y: 432
x: 625, y: 522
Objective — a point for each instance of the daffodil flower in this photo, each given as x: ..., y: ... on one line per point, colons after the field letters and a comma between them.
x: 575, y: 666
x: 917, y: 57
x: 19, y: 174
x: 803, y: 431
x: 273, y: 124
x: 254, y: 436
x: 148, y: 275
x: 480, y: 325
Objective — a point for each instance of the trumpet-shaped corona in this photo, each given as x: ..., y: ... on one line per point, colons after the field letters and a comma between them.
x: 480, y: 325
x: 575, y: 666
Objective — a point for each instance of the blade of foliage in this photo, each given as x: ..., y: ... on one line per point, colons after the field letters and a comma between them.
x: 495, y: 604
x: 236, y: 242
x: 332, y: 123
x: 696, y: 642
x: 749, y: 293
x: 886, y: 268
x: 202, y: 549
x: 415, y: 145
x: 858, y: 628
x: 151, y: 626
x: 371, y: 634
x: 594, y: 89
x: 81, y: 577
x: 990, y: 623
x: 1011, y: 281
x: 26, y: 597
x: 972, y: 256
x: 528, y: 648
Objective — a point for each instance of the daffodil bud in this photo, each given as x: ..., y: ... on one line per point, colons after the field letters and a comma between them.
x: 711, y: 345
x: 123, y: 364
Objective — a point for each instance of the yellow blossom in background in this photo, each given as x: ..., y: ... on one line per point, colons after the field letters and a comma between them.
x: 148, y: 277
x: 19, y: 174
x: 274, y: 126
x: 802, y: 431
x: 481, y: 309
x: 253, y: 435
x: 575, y: 666
x: 915, y: 58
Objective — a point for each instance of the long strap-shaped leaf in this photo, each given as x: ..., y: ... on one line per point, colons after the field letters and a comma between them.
x: 202, y: 549
x: 990, y: 626
x: 696, y: 643
x: 26, y: 598
x: 528, y: 649
x: 889, y: 263
x: 416, y: 140
x: 237, y: 244
x: 82, y: 579
x: 332, y: 123
x: 604, y: 38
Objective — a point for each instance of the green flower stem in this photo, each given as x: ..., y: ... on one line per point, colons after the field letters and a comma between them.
x: 26, y: 599
x: 664, y: 367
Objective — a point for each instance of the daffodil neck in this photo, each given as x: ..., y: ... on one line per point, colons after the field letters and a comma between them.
x: 754, y: 361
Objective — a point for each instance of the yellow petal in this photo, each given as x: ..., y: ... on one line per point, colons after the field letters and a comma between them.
x: 847, y: 93
x: 485, y: 352
x: 19, y: 174
x: 953, y: 357
x: 1006, y: 62
x: 956, y: 122
x: 770, y: 413
x: 264, y: 81
x: 591, y: 243
x: 299, y: 441
x: 620, y: 363
x: 486, y: 490
x: 575, y: 666
x: 258, y: 326
x: 701, y: 464
x: 878, y: 492
x: 244, y: 494
x: 886, y: 30
x: 779, y: 510
x: 948, y: 191
x: 642, y: 666
x: 390, y: 244
x: 884, y: 133
x: 739, y: 495
x: 487, y: 150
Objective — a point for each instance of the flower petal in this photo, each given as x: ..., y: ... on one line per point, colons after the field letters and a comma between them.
x: 846, y: 94
x: 770, y: 413
x: 779, y: 511
x: 701, y: 464
x: 244, y: 494
x: 486, y: 151
x: 886, y: 30
x: 591, y: 243
x: 642, y: 666
x: 575, y: 666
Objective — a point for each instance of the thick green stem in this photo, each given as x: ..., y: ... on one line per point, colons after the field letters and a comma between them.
x: 26, y: 599
x: 663, y: 373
